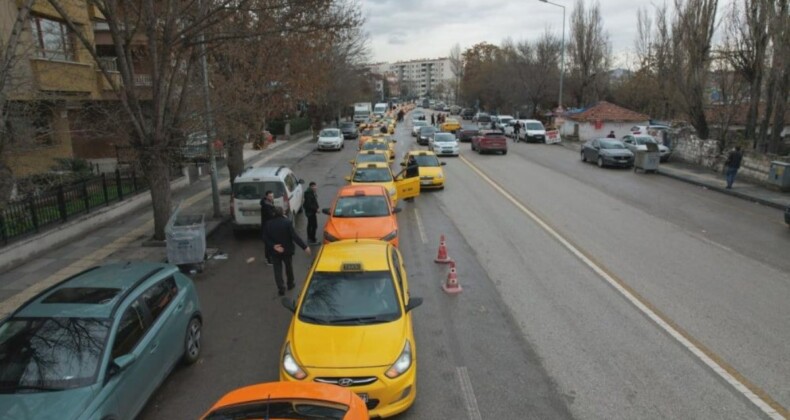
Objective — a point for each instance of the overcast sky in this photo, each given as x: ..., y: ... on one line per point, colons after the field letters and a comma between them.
x: 412, y: 29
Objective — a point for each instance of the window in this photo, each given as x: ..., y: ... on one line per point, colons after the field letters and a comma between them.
x: 130, y: 330
x: 52, y: 39
x: 158, y: 296
x: 290, y: 182
x: 396, y: 264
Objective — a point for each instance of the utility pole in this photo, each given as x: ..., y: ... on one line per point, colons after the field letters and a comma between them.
x: 562, y: 62
x: 212, y: 156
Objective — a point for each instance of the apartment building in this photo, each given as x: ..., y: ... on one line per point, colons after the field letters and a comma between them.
x: 57, y: 94
x: 416, y: 77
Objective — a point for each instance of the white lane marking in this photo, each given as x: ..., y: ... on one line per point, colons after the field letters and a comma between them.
x: 740, y: 386
x: 468, y: 393
x: 423, y: 237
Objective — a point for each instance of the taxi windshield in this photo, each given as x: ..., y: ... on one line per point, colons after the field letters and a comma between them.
x: 375, y: 146
x: 354, y: 298
x: 362, y: 206
x: 427, y: 160
x: 372, y: 175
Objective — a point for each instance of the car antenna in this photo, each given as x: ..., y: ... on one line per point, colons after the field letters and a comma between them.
x: 268, y: 404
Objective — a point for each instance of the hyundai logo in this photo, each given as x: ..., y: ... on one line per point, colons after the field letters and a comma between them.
x: 345, y: 381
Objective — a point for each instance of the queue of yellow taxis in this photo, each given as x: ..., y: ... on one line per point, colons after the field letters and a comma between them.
x: 361, y: 212
x: 381, y: 143
x: 352, y: 326
x: 366, y: 156
x: 398, y: 187
x: 430, y: 168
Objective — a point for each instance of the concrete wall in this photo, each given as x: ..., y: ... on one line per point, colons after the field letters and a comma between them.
x: 587, y: 130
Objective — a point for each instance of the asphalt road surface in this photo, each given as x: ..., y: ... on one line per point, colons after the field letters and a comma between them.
x: 588, y: 294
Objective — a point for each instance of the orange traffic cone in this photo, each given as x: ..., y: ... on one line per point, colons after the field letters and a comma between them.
x: 442, y: 257
x: 452, y: 286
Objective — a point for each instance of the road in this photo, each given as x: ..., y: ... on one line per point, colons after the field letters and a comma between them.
x: 549, y: 250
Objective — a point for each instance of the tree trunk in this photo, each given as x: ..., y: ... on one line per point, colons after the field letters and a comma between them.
x: 755, y: 92
x: 779, y: 119
x: 157, y: 173
x: 762, y: 137
x: 235, y: 149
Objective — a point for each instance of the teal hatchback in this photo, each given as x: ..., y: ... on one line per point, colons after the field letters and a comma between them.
x: 97, y: 345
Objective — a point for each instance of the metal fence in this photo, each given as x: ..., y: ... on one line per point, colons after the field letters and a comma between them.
x: 40, y: 212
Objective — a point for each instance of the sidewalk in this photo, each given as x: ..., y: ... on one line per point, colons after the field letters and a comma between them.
x: 711, y: 180
x: 122, y: 239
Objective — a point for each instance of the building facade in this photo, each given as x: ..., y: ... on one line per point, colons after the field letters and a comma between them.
x: 418, y: 78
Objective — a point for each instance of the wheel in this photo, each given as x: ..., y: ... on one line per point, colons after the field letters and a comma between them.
x: 192, y: 345
x: 600, y: 162
x: 584, y: 157
x: 504, y: 152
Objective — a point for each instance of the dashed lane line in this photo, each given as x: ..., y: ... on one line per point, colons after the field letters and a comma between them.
x: 468, y: 393
x: 420, y: 227
x: 752, y: 392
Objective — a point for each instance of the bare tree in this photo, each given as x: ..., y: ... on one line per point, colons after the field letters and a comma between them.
x: 457, y: 68
x: 589, y: 50
x: 692, y: 29
x: 778, y: 85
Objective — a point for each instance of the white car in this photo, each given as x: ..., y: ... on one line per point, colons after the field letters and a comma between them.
x: 444, y: 144
x: 415, y: 126
x: 503, y: 121
x: 251, y: 186
x: 634, y: 143
x: 532, y: 130
x: 330, y: 139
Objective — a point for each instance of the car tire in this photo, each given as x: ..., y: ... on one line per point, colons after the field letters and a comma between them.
x: 600, y: 162
x: 584, y: 157
x: 504, y: 152
x: 192, y: 344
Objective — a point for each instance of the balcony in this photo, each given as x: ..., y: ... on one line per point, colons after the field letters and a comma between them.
x: 63, y: 76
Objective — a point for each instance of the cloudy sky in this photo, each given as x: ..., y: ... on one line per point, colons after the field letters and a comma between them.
x: 411, y: 29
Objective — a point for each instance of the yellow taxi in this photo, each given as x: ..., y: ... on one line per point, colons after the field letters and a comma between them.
x: 431, y: 172
x: 352, y: 326
x: 366, y: 156
x: 450, y: 125
x: 398, y: 187
x: 381, y: 143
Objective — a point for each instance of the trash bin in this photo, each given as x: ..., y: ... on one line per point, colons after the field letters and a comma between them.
x: 186, y: 240
x: 647, y: 160
x: 780, y: 175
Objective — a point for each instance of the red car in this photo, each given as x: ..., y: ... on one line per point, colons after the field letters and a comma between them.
x: 490, y: 141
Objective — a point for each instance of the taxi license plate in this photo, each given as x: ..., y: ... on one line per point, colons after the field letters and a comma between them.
x: 364, y: 397
x: 426, y: 182
x: 250, y: 212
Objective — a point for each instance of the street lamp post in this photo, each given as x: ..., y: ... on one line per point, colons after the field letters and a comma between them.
x: 562, y: 60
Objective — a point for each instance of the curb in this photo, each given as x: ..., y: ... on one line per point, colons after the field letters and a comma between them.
x: 732, y: 193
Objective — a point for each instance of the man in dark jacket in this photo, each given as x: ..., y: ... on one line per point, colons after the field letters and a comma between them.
x: 732, y: 164
x: 311, y: 211
x: 280, y: 236
x: 267, y: 213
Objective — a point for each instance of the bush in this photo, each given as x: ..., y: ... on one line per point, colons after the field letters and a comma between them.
x: 276, y: 127
x: 299, y: 125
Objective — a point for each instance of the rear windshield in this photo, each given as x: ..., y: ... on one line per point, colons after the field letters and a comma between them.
x: 375, y: 146
x: 374, y: 157
x: 644, y: 140
x: 347, y: 125
x: 429, y: 161
x: 255, y: 190
x: 444, y: 137
x: 279, y: 409
x: 427, y: 130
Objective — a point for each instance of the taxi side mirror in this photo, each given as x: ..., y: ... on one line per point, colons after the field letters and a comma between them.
x: 414, y: 302
x: 397, y: 210
x: 325, y: 211
x: 289, y: 304
x: 444, y: 163
x: 347, y: 178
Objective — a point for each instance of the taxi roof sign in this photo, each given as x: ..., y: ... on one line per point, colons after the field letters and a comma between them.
x: 351, y: 266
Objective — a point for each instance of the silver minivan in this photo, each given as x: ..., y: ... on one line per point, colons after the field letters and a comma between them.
x: 250, y: 187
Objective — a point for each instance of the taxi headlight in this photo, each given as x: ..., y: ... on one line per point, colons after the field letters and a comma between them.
x: 392, y: 235
x: 392, y: 191
x: 289, y: 364
x: 439, y: 176
x: 402, y: 364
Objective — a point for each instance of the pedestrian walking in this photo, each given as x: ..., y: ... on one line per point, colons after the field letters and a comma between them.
x: 516, y: 130
x: 493, y: 125
x: 267, y: 213
x: 611, y: 135
x: 433, y: 120
x: 732, y: 164
x: 280, y: 237
x: 311, y: 211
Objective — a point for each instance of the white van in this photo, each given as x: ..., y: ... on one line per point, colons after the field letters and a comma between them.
x: 380, y: 109
x: 532, y: 130
x: 250, y: 187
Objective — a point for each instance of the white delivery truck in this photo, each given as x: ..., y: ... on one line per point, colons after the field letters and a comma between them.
x: 362, y: 112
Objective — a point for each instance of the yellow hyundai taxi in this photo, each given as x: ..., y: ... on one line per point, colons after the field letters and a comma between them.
x: 381, y: 143
x: 366, y: 156
x: 450, y: 125
x: 352, y: 326
x: 431, y: 172
x: 399, y: 187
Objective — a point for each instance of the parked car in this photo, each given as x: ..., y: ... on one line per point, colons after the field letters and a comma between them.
x: 607, y: 152
x: 415, y: 127
x: 249, y: 188
x: 330, y: 139
x: 98, y: 344
x: 280, y: 400
x: 490, y: 141
x: 425, y: 134
x: 635, y: 143
x: 444, y: 144
x: 349, y: 130
x: 467, y: 113
x: 532, y: 130
x: 466, y: 135
x: 503, y: 121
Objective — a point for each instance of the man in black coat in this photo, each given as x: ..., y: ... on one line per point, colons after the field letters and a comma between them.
x: 280, y: 236
x: 732, y: 165
x: 311, y: 211
x: 267, y: 213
